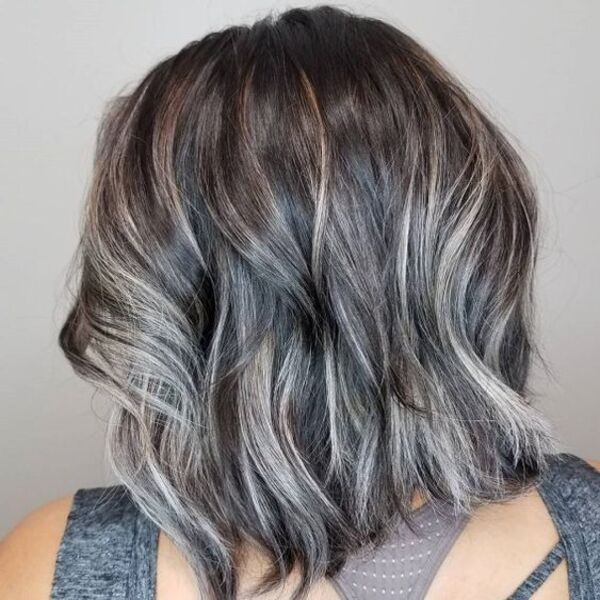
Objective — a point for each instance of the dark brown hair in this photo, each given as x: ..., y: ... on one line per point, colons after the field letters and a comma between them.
x: 306, y: 279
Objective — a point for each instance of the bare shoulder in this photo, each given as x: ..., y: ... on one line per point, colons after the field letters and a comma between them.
x: 594, y: 463
x: 28, y: 552
x: 500, y: 546
x: 175, y: 577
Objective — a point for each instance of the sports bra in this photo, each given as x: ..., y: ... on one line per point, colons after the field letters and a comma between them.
x: 109, y: 547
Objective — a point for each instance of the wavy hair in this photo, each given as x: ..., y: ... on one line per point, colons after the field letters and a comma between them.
x: 306, y: 278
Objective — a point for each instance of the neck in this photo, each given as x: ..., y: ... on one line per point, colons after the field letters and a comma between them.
x: 418, y: 500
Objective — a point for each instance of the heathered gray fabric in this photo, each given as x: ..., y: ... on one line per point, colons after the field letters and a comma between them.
x: 108, y: 550
x: 541, y: 572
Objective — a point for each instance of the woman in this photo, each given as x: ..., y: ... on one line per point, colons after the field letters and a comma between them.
x: 306, y: 279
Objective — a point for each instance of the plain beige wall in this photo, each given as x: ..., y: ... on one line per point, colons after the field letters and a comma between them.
x: 535, y: 63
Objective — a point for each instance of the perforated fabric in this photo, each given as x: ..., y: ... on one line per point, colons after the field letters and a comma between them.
x: 403, y: 567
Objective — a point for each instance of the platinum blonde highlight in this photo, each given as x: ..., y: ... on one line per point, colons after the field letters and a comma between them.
x: 306, y: 278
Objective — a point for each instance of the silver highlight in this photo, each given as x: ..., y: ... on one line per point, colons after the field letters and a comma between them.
x: 306, y: 278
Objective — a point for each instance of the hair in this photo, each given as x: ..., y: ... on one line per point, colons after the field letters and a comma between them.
x: 306, y: 279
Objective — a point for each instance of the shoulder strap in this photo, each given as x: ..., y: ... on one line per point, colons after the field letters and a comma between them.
x: 108, y: 549
x: 571, y: 491
x: 540, y: 574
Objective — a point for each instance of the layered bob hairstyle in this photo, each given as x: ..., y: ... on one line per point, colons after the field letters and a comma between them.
x: 305, y: 277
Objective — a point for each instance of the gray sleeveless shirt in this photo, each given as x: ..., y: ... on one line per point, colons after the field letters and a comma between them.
x: 108, y: 550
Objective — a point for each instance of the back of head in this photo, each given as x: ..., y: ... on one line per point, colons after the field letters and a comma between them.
x: 306, y: 279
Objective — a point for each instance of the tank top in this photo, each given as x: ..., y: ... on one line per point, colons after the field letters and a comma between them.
x: 109, y: 547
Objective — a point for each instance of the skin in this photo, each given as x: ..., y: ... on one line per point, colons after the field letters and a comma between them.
x: 499, y: 547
